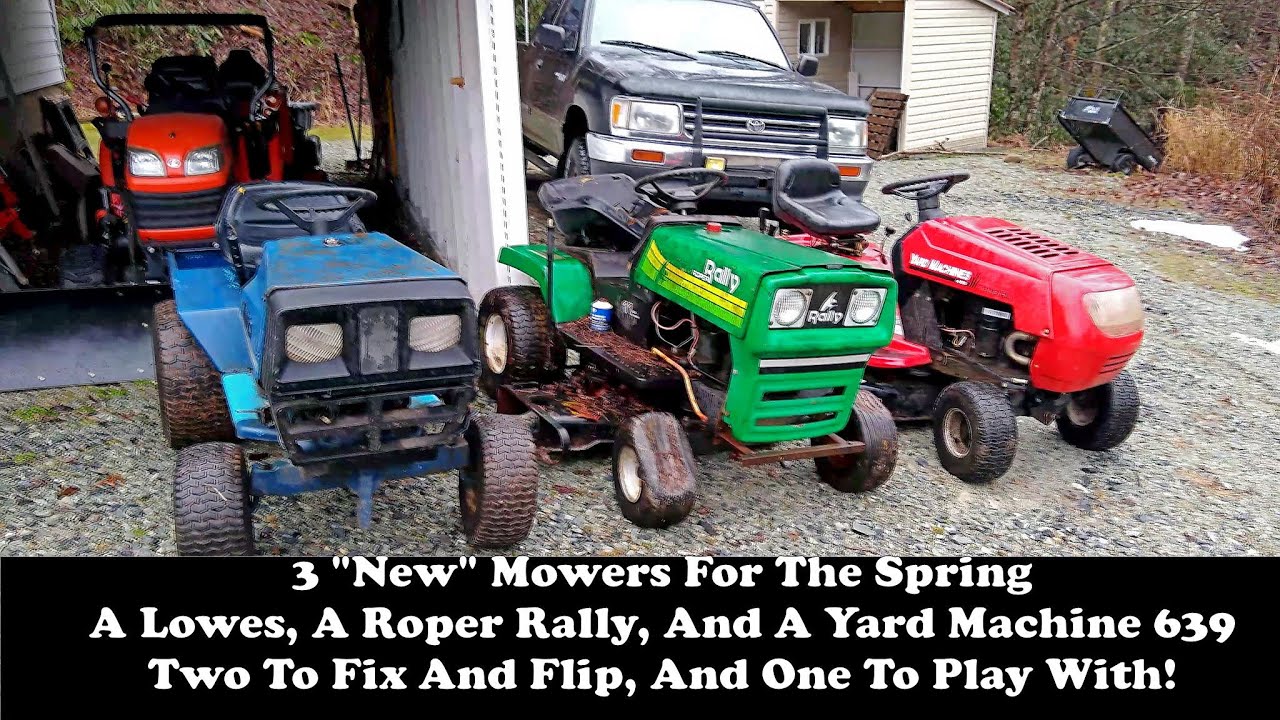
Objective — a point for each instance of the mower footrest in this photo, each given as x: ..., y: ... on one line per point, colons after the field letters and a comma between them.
x: 641, y: 369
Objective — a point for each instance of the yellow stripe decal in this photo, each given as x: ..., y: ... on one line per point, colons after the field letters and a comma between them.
x: 660, y: 260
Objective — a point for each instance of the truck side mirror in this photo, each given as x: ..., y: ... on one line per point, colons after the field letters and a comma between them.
x: 807, y: 65
x: 550, y: 36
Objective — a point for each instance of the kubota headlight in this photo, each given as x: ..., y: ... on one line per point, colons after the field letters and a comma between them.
x: 144, y: 163
x: 847, y: 135
x: 1116, y: 312
x: 864, y: 307
x: 627, y: 115
x: 317, y: 343
x: 435, y: 333
x: 204, y: 161
x: 789, y: 307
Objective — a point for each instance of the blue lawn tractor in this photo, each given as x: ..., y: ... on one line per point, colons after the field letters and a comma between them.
x: 353, y: 353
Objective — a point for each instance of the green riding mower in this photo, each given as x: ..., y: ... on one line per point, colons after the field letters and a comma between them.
x: 690, y: 334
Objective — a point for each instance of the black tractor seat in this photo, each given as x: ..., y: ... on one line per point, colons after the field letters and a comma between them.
x: 602, y: 211
x: 243, y: 227
x: 807, y: 195
x: 182, y: 83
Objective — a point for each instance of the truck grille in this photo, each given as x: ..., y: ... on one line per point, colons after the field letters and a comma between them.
x: 800, y: 134
x: 162, y: 211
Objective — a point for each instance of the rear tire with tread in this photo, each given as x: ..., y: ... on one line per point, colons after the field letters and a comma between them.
x: 211, y: 501
x: 653, y: 470
x: 520, y: 317
x: 193, y: 406
x: 975, y: 431
x: 498, y: 492
x: 576, y: 162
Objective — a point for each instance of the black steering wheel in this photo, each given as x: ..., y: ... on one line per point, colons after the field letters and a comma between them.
x: 926, y: 187
x: 685, y: 195
x: 317, y: 224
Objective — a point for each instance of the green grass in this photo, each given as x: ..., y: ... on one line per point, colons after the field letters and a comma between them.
x: 1221, y: 275
x: 107, y: 392
x: 34, y: 414
x: 25, y: 458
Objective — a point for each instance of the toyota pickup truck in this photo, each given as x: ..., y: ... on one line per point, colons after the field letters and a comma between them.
x: 620, y: 86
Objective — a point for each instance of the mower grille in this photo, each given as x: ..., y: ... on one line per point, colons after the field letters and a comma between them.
x: 1042, y: 246
x: 163, y: 211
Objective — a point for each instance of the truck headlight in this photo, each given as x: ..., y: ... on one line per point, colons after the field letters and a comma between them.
x: 656, y: 118
x: 864, y: 307
x: 204, y: 161
x: 847, y: 135
x: 434, y: 333
x: 144, y: 163
x: 1116, y: 312
x: 317, y: 343
x: 789, y: 307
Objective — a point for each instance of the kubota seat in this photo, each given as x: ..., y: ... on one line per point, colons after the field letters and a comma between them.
x: 244, y: 228
x: 182, y: 83
x: 240, y: 76
x: 807, y: 195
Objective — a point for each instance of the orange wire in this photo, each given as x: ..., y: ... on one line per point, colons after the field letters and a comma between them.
x: 688, y: 384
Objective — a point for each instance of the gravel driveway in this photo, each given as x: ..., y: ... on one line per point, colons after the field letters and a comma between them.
x: 84, y: 470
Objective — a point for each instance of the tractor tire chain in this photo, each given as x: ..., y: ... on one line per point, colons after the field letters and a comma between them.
x: 211, y: 501
x: 193, y: 408
x: 508, y: 473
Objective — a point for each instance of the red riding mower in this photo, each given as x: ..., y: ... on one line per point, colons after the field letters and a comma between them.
x: 996, y: 321
x: 167, y: 163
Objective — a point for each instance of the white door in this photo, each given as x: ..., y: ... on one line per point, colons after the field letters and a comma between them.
x: 875, y: 55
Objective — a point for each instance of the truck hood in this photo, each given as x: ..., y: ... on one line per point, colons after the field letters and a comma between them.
x: 647, y: 74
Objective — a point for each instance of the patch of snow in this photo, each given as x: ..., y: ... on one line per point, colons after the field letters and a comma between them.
x: 1223, y: 236
x: 1272, y: 347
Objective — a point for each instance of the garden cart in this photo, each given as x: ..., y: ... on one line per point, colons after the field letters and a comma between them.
x: 1107, y: 135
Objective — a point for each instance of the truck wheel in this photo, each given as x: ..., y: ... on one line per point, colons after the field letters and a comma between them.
x: 193, y: 407
x: 498, y: 490
x: 653, y: 470
x: 211, y: 501
x: 1077, y: 158
x: 515, y: 341
x: 974, y: 431
x: 1101, y: 418
x: 1124, y: 163
x: 872, y: 424
x: 576, y: 161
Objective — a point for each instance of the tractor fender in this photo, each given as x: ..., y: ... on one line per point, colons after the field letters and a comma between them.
x: 571, y: 280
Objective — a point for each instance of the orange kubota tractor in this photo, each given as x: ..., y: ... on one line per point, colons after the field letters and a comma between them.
x: 167, y: 162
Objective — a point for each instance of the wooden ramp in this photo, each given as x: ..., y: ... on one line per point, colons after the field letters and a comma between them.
x: 882, y: 125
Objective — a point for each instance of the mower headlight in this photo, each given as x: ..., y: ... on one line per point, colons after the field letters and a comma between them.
x: 847, y: 136
x: 789, y: 307
x: 1116, y: 312
x: 627, y: 115
x: 204, y: 161
x: 317, y: 343
x: 144, y: 163
x: 434, y: 333
x: 864, y: 307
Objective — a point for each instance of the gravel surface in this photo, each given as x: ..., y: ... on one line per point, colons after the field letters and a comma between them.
x: 85, y: 470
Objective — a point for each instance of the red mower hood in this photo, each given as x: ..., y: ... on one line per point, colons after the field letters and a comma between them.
x: 172, y: 136
x: 997, y: 241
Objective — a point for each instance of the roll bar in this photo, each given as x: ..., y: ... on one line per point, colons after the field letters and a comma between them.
x: 178, y: 20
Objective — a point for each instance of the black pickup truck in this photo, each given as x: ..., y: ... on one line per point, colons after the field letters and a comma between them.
x: 635, y: 87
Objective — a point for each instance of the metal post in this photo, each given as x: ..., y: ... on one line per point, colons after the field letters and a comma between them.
x: 526, y: 21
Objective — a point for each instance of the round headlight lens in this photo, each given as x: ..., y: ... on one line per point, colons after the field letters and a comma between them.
x: 789, y: 305
x: 864, y: 306
x: 317, y: 343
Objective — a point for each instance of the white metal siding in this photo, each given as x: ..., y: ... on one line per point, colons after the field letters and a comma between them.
x: 948, y: 50
x: 29, y: 45
x: 459, y: 154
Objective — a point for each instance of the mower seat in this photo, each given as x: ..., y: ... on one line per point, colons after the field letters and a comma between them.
x: 240, y: 76
x: 182, y: 83
x: 598, y: 210
x: 243, y: 228
x: 807, y: 195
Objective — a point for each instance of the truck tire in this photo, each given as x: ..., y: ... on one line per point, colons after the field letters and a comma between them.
x: 1103, y: 417
x: 498, y: 490
x: 872, y: 424
x: 516, y: 344
x: 193, y: 407
x: 974, y: 431
x: 576, y: 161
x: 653, y: 470
x: 211, y: 501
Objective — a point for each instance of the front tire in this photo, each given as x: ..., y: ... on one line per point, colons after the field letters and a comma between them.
x: 576, y: 161
x: 516, y: 344
x: 974, y: 431
x: 498, y: 490
x: 211, y: 501
x: 193, y: 407
x: 653, y: 471
x: 872, y: 424
x: 1103, y: 417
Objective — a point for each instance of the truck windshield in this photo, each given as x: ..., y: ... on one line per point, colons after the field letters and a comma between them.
x: 736, y: 33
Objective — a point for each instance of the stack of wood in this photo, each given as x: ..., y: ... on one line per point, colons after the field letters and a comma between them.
x: 882, y: 125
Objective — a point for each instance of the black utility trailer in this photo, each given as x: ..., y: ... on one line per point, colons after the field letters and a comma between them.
x: 1108, y: 136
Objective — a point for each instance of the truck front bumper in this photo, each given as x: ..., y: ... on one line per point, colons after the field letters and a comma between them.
x: 750, y: 176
